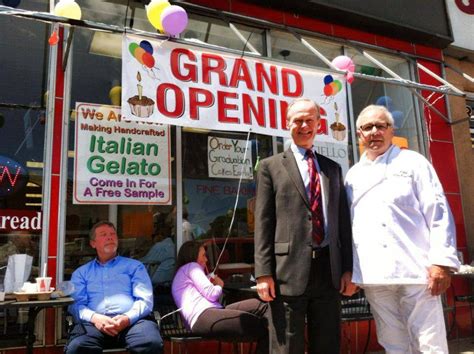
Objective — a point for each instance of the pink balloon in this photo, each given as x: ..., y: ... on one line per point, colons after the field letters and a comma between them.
x: 350, y: 77
x: 343, y: 62
x: 174, y: 20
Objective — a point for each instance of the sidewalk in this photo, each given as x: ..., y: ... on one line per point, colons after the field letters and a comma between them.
x: 461, y: 346
x: 456, y: 346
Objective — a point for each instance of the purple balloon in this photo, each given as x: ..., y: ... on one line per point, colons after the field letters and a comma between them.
x: 174, y: 20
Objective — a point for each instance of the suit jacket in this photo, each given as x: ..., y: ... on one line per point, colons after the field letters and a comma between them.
x: 283, y: 241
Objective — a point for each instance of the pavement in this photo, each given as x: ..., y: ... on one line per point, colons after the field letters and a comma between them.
x: 456, y: 346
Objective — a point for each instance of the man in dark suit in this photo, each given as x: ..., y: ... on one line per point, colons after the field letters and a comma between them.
x: 303, y: 245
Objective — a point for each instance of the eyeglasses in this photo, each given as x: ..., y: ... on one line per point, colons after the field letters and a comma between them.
x: 367, y: 128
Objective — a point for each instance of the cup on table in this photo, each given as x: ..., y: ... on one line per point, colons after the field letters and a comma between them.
x: 43, y: 284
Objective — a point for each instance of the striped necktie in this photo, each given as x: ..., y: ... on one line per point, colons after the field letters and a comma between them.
x: 315, y: 199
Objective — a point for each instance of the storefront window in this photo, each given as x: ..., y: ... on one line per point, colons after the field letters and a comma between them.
x: 218, y: 32
x: 287, y: 47
x: 23, y: 69
x: 95, y: 92
x: 212, y: 165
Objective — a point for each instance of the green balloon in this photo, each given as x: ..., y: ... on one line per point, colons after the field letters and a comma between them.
x: 132, y: 48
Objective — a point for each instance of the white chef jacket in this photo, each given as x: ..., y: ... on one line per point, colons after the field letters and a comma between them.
x: 401, y: 221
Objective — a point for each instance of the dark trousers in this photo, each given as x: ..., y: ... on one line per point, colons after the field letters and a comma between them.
x: 320, y: 305
x: 142, y: 337
x: 242, y: 321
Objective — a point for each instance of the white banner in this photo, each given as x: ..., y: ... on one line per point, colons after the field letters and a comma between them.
x: 119, y: 162
x: 228, y: 158
x: 174, y: 83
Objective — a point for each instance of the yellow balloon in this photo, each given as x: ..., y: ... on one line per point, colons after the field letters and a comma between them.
x: 69, y: 9
x: 153, y: 12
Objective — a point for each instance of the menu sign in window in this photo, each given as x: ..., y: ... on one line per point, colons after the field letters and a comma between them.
x: 229, y: 158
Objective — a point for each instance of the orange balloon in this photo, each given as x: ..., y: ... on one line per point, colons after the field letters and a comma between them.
x: 138, y: 54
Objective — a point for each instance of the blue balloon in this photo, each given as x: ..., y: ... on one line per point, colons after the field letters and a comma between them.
x: 11, y: 3
x: 328, y: 79
x: 398, y: 119
x: 147, y: 46
x: 385, y: 101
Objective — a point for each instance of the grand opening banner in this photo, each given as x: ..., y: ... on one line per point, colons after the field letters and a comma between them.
x: 174, y: 83
x: 120, y: 162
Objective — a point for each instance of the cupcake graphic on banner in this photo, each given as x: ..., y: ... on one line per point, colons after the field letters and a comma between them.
x: 141, y: 106
x: 337, y: 128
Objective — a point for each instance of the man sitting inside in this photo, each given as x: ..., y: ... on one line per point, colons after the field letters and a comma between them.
x: 113, y: 301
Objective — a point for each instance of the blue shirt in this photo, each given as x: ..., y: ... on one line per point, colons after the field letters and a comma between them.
x: 120, y: 286
x: 162, y: 253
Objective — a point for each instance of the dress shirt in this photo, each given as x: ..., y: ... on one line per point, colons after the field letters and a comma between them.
x: 302, y: 162
x: 193, y: 292
x: 401, y: 221
x: 119, y: 287
x: 162, y: 252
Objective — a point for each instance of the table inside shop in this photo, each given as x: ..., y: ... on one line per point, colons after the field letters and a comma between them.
x: 34, y: 307
x: 238, y: 291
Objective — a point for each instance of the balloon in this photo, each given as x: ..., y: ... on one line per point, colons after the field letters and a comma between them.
x: 11, y: 3
x: 398, y: 118
x: 154, y: 11
x: 69, y: 9
x: 350, y: 77
x: 338, y: 85
x: 385, y: 101
x: 138, y: 54
x: 335, y: 88
x: 147, y: 46
x: 328, y: 90
x: 328, y: 79
x: 53, y: 39
x: 148, y: 60
x: 174, y: 19
x: 367, y: 70
x: 343, y: 62
x: 132, y: 48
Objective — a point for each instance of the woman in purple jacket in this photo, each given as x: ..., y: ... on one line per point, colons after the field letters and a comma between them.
x: 198, y: 298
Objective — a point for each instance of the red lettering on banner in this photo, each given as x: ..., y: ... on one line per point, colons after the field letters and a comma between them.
x: 249, y: 108
x: 272, y: 113
x: 195, y: 103
x: 223, y: 107
x: 286, y: 75
x: 240, y: 72
x: 323, y: 123
x: 283, y: 107
x: 191, y: 74
x: 218, y: 68
x: 161, y: 95
x: 270, y: 79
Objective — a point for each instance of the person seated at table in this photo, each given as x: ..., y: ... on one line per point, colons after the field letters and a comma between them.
x: 113, y: 301
x: 197, y: 296
x: 160, y: 262
x: 160, y: 259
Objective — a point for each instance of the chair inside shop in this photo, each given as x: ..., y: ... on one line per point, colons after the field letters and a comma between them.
x: 173, y: 329
x: 357, y: 308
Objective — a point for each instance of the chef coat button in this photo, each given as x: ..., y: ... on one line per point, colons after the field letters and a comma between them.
x: 384, y: 224
x: 309, y: 217
x: 384, y: 246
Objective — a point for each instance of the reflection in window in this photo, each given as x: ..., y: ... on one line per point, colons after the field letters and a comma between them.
x: 287, y: 47
x: 217, y: 32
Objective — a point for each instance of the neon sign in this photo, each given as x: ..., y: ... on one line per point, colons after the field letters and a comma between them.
x: 13, y: 176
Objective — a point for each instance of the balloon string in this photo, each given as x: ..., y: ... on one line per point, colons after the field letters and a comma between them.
x: 235, y: 205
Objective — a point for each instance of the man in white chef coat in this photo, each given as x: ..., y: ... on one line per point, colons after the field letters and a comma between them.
x: 403, y: 238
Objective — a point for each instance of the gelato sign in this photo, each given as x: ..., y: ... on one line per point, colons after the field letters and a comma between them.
x: 179, y: 84
x: 119, y: 162
x: 229, y: 158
